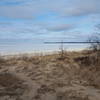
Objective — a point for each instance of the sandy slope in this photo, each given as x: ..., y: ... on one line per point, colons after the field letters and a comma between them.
x: 44, y: 78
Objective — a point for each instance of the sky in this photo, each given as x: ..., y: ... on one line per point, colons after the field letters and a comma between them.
x: 26, y: 24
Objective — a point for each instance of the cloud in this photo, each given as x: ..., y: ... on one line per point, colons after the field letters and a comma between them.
x: 78, y: 8
x: 4, y: 24
x: 34, y: 8
x: 16, y: 12
x: 84, y: 8
x: 97, y: 26
x: 20, y: 30
x: 61, y: 27
x: 13, y: 1
x: 48, y: 12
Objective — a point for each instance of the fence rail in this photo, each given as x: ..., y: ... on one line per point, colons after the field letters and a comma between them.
x: 69, y: 42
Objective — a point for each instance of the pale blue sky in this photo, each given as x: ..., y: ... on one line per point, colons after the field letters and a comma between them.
x: 35, y: 21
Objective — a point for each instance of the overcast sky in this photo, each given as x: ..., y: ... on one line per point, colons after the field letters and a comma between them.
x: 48, y: 19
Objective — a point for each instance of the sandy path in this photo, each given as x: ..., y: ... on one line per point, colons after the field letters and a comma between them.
x: 84, y: 91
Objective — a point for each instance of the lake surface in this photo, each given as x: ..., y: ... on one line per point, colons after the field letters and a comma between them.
x: 9, y: 46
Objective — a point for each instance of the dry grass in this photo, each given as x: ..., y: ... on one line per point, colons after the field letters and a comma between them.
x: 11, y: 86
x: 52, y: 75
x: 7, y: 79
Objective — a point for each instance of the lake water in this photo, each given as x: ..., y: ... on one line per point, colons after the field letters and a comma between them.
x: 8, y: 46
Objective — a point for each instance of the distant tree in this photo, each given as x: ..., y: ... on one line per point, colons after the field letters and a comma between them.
x: 95, y: 40
x: 95, y: 45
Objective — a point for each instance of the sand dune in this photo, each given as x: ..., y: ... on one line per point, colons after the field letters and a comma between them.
x: 49, y: 78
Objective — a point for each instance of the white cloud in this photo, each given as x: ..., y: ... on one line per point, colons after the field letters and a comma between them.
x: 60, y: 27
x: 62, y: 7
x: 34, y: 8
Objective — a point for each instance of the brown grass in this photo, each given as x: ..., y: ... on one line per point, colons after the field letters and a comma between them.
x: 52, y: 73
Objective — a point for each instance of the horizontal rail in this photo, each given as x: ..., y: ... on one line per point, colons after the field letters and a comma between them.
x: 70, y: 42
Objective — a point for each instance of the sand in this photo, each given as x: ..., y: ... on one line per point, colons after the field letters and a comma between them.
x: 46, y: 78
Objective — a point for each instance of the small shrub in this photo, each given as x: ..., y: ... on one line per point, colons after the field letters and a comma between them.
x: 2, y: 61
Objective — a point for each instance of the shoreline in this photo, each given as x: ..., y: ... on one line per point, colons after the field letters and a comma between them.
x: 37, y: 53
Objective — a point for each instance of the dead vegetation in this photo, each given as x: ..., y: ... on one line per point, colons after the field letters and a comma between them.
x: 54, y: 78
x: 11, y: 86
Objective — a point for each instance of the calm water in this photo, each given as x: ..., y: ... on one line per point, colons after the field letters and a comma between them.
x: 8, y: 46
